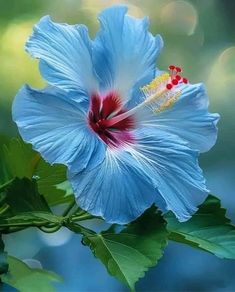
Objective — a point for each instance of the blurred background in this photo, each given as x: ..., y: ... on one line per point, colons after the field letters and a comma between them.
x: 199, y: 35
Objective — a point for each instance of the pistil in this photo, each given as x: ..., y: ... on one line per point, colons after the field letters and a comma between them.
x: 160, y: 94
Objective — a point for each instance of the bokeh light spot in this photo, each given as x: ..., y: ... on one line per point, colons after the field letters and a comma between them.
x: 179, y: 17
x: 222, y: 76
x: 58, y: 238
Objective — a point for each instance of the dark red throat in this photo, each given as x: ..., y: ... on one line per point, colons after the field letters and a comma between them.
x: 100, y: 117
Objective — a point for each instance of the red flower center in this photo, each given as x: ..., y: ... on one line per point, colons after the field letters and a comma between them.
x: 103, y: 110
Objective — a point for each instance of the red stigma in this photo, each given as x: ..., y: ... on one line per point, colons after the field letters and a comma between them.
x: 103, y: 109
x: 176, y: 77
x: 178, y: 69
x: 175, y: 82
x: 169, y: 86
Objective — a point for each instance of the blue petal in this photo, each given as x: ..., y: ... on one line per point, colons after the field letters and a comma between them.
x: 65, y: 54
x: 124, y: 50
x: 118, y: 190
x: 175, y: 171
x: 159, y: 168
x: 188, y: 118
x: 56, y: 127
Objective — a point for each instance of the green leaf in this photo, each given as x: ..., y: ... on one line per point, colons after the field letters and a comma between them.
x: 51, y: 183
x: 208, y: 229
x: 128, y: 255
x: 18, y: 159
x: 26, y: 279
x: 5, y: 175
x: 4, y: 171
x: 22, y: 206
x: 22, y: 196
x: 3, y: 258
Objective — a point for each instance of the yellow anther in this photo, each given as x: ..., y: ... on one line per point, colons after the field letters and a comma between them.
x: 157, y: 83
x: 169, y: 102
x: 158, y: 97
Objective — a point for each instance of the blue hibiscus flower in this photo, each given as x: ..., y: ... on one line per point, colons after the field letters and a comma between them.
x: 129, y: 134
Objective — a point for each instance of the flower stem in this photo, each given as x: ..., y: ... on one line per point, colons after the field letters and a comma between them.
x: 68, y: 220
x: 69, y: 208
x: 51, y: 228
x: 23, y: 224
x: 82, y: 217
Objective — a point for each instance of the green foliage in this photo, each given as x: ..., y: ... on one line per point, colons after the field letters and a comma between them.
x: 51, y: 180
x: 46, y: 221
x: 208, y: 229
x: 128, y: 255
x: 24, y: 279
x: 20, y: 160
x: 22, y: 206
x: 4, y: 172
x: 22, y: 196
